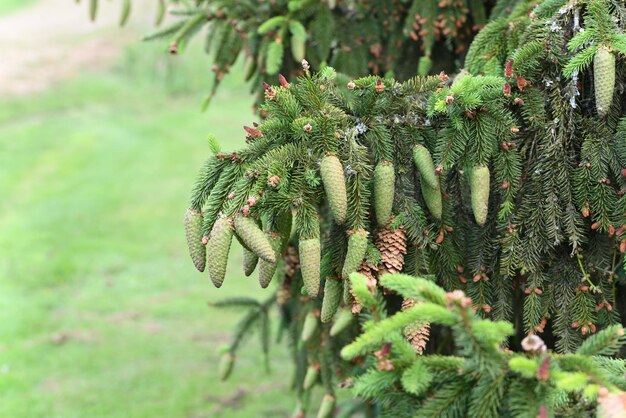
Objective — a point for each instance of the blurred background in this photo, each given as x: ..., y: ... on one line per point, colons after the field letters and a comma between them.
x: 101, y: 312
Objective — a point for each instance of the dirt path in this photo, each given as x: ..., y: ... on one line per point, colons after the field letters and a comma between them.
x: 54, y: 40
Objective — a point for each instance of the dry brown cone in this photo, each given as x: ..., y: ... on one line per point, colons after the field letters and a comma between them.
x: 292, y: 262
x: 370, y: 271
x: 382, y: 355
x: 416, y: 333
x: 283, y: 295
x: 392, y: 247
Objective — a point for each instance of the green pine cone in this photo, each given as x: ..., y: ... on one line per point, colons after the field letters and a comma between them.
x: 254, y: 238
x: 298, y: 48
x: 342, y: 321
x: 274, y: 57
x: 334, y: 181
x: 310, y: 377
x: 384, y: 188
x: 424, y: 65
x: 193, y: 233
x: 479, y: 187
x: 310, y: 253
x: 347, y: 295
x: 357, y: 247
x: 249, y: 68
x: 267, y: 270
x: 310, y: 326
x: 332, y: 297
x: 604, y: 79
x: 425, y: 165
x: 298, y: 40
x: 432, y: 197
x: 298, y: 412
x: 226, y: 365
x: 93, y: 9
x: 218, y: 247
x: 327, y: 407
x: 126, y: 6
x: 250, y: 261
x: 243, y: 244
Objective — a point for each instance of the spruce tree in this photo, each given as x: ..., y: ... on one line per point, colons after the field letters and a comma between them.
x: 458, y: 235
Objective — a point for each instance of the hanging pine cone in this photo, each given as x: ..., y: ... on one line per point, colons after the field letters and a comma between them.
x: 432, y: 197
x: 219, y: 247
x: 383, y: 356
x: 416, y: 333
x: 370, y: 271
x: 254, y: 238
x: 342, y: 321
x: 332, y: 297
x: 327, y: 407
x: 298, y: 40
x: 298, y: 412
x: 283, y: 295
x: 292, y: 262
x: 311, y: 376
x: 479, y: 188
x: 226, y: 365
x: 425, y: 165
x: 604, y: 79
x: 193, y: 233
x: 357, y: 247
x: 347, y: 292
x: 267, y: 270
x: 384, y: 188
x: 310, y: 325
x: 392, y: 247
x: 334, y: 181
x: 250, y: 261
x: 310, y: 253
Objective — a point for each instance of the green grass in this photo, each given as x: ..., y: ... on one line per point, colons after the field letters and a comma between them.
x: 103, y: 314
x: 7, y: 6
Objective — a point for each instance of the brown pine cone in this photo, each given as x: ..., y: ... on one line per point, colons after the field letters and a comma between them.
x: 416, y: 333
x: 392, y: 247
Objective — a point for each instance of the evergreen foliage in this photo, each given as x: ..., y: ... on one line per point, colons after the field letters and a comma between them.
x: 480, y: 378
x: 357, y: 37
x: 502, y: 184
x: 502, y: 229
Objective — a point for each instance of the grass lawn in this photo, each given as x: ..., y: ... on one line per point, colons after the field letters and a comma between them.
x: 103, y: 314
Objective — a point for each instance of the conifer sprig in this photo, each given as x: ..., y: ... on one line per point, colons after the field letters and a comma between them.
x: 487, y: 381
x: 516, y: 198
